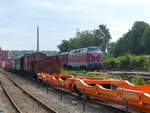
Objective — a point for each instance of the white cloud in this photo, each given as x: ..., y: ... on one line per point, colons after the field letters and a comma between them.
x: 60, y: 19
x: 44, y: 4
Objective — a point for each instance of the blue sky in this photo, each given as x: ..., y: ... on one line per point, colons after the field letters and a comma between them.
x: 59, y: 19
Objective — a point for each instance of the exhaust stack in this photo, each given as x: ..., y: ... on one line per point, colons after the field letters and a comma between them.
x: 37, y: 38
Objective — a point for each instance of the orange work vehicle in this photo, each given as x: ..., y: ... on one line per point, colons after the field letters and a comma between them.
x: 110, y: 90
x: 117, y: 91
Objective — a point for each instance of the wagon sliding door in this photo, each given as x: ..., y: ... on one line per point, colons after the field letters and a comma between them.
x: 32, y: 68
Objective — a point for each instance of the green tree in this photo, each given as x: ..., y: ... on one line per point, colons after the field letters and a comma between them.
x: 111, y: 49
x: 146, y: 41
x: 64, y: 46
x: 135, y: 41
x: 137, y: 32
x: 86, y: 39
x: 102, y: 37
x: 98, y: 37
x: 82, y: 39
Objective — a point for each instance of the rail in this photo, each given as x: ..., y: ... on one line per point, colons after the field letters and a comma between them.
x: 10, y: 98
x: 44, y: 105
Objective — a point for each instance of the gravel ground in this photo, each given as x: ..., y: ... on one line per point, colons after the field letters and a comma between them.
x: 62, y: 104
x: 25, y: 103
x: 5, y: 105
x: 1, y: 107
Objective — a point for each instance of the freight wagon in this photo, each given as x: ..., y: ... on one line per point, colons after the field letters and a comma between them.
x: 64, y: 59
x: 49, y: 64
x: 36, y: 62
x: 29, y: 59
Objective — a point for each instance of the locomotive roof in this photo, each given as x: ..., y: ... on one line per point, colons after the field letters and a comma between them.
x: 85, y: 48
x: 64, y: 53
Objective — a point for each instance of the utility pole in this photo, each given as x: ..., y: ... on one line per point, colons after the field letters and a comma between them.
x: 37, y: 38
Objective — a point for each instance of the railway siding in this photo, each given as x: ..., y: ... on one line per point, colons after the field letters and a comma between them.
x: 22, y: 100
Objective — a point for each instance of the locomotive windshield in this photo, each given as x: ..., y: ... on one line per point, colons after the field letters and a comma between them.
x: 92, y: 49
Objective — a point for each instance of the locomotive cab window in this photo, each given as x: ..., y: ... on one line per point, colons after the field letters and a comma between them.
x: 92, y: 49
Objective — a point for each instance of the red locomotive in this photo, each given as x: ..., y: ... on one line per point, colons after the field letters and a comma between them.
x: 84, y: 58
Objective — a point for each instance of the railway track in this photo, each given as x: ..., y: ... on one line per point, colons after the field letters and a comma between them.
x: 10, y: 106
x: 21, y: 100
x: 118, y: 109
x: 15, y: 106
x: 146, y: 75
x: 86, y: 100
x: 129, y: 74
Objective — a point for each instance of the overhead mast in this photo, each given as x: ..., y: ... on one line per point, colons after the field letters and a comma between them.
x: 37, y: 38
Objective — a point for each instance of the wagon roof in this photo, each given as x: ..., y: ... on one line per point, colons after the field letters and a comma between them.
x: 32, y: 53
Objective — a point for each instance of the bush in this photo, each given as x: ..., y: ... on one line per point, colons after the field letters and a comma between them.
x: 112, y: 64
x: 125, y: 62
x: 138, y: 80
x: 128, y: 62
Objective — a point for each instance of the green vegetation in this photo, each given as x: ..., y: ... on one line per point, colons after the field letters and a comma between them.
x: 135, y: 41
x: 128, y: 62
x: 74, y: 73
x: 138, y: 80
x: 130, y: 52
x: 99, y: 37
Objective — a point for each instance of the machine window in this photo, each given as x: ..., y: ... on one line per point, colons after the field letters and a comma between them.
x: 92, y: 49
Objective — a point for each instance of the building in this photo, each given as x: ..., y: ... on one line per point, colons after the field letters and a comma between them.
x: 4, y: 55
x: 4, y: 58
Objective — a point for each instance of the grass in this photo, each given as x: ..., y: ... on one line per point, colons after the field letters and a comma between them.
x: 137, y: 80
x: 73, y: 72
x: 85, y: 74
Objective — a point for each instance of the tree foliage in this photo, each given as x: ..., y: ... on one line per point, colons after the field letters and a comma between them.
x: 98, y: 37
x: 135, y: 41
x: 102, y: 37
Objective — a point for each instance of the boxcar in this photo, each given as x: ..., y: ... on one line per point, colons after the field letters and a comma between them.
x: 18, y: 64
x: 63, y: 57
x: 29, y: 59
x: 51, y: 65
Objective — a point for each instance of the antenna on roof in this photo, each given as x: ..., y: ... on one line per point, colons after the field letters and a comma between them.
x: 37, y: 38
